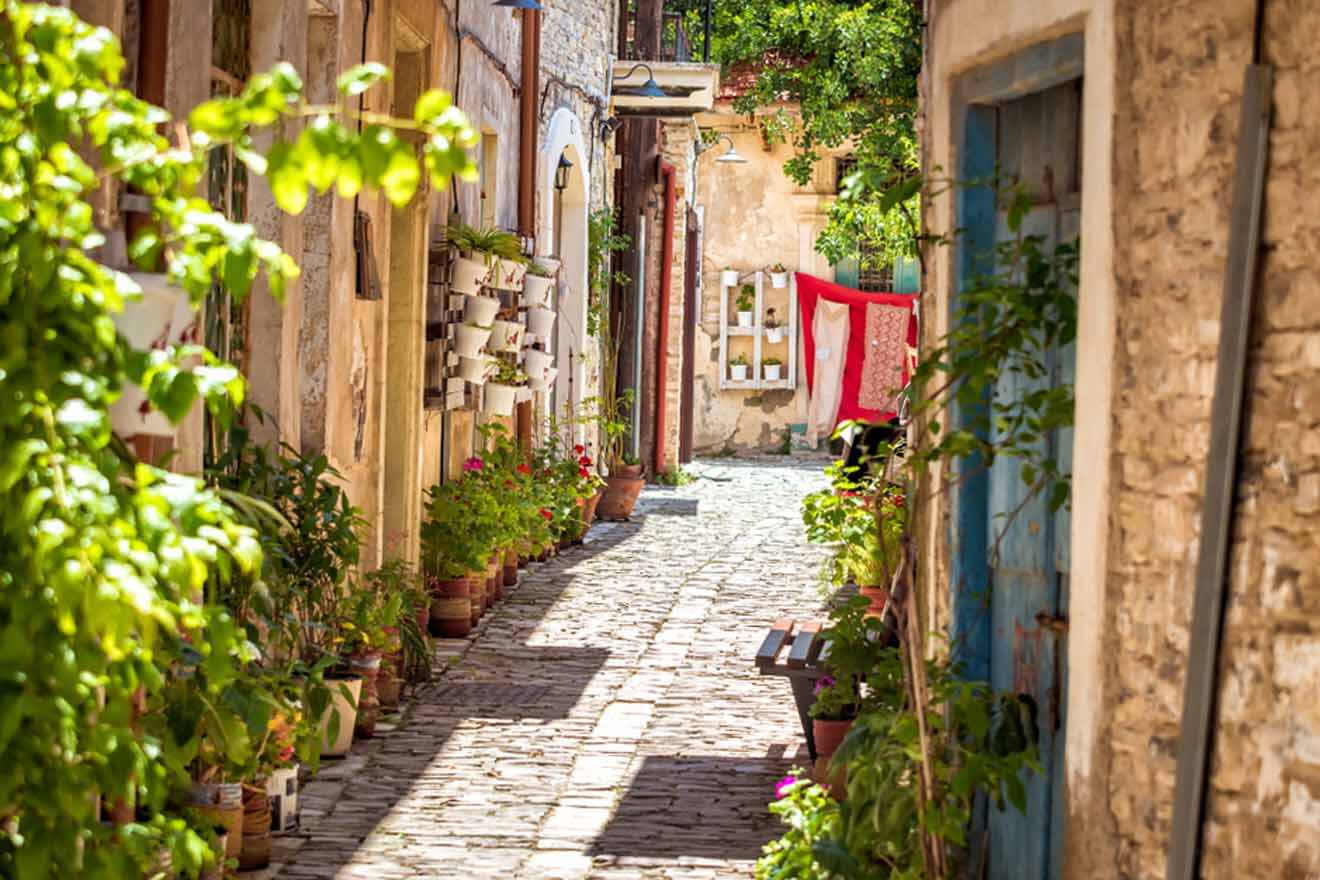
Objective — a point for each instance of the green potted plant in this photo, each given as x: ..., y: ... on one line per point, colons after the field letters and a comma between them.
x: 738, y: 367
x: 486, y: 257
x: 772, y: 367
x: 538, y: 286
x: 728, y: 277
x: 779, y: 276
x: 746, y: 305
x: 501, y: 392
x: 774, y: 327
x: 834, y: 711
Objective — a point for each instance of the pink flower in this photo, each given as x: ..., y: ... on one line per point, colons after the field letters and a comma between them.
x: 783, y: 785
x: 825, y: 681
x: 473, y: 464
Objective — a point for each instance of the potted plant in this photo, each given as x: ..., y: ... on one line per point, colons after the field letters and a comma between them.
x: 480, y: 310
x: 538, y: 364
x: 729, y: 277
x: 738, y: 367
x: 538, y: 285
x: 772, y: 367
x: 833, y: 712
x: 546, y: 381
x: 746, y: 305
x: 470, y: 339
x: 506, y: 336
x: 502, y: 391
x: 774, y: 327
x: 486, y: 256
x: 779, y: 276
x: 476, y: 370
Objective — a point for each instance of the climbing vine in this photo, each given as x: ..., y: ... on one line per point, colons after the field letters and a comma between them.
x: 105, y: 561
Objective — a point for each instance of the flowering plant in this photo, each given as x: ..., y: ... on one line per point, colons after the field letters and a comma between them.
x: 836, y: 699
x: 864, y: 519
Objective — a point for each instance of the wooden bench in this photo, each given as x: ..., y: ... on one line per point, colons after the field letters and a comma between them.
x: 802, y: 664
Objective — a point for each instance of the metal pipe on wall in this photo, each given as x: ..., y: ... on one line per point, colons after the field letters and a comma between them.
x: 528, y: 133
x: 668, y: 173
x: 639, y: 320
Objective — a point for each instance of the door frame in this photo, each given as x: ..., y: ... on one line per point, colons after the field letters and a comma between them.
x: 975, y: 98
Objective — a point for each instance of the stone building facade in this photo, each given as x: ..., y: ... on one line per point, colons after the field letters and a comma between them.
x: 1160, y: 96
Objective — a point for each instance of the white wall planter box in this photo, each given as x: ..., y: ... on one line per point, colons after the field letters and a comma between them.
x: 163, y: 316
x: 467, y: 275
x: 469, y: 340
x: 735, y: 326
x: 480, y: 310
x: 506, y: 336
x: 537, y: 291
x: 475, y: 369
x: 498, y: 399
x: 540, y: 322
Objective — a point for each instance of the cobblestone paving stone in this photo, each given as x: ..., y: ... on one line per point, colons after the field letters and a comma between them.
x: 606, y: 720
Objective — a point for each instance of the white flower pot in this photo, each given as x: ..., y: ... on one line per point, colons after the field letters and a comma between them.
x: 546, y: 382
x: 540, y: 322
x: 538, y: 363
x: 779, y: 280
x: 475, y: 369
x: 467, y: 275
x: 344, y: 694
x: 469, y: 340
x: 480, y: 310
x: 508, y: 274
x: 746, y: 319
x: 498, y: 399
x: 506, y: 336
x: 729, y: 277
x: 738, y: 372
x: 163, y: 316
x: 774, y: 335
x: 537, y: 291
x: 772, y: 372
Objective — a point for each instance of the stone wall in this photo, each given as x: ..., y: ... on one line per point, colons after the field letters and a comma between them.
x: 1176, y: 137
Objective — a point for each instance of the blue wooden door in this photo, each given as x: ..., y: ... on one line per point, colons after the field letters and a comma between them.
x: 1028, y: 547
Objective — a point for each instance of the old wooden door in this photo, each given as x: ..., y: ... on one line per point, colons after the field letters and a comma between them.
x: 1028, y: 547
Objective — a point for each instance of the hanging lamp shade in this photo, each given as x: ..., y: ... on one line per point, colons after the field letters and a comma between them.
x: 519, y: 4
x: 648, y: 89
x: 733, y: 157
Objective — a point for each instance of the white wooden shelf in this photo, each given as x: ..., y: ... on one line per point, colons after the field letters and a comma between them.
x: 756, y: 334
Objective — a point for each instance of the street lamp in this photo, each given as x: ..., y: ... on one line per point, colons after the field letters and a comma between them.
x: 562, y: 172
x: 648, y: 89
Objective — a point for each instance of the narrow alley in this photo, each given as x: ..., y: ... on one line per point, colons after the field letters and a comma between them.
x: 606, y: 720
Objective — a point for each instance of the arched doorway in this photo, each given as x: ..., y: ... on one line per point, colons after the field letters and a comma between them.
x: 565, y: 197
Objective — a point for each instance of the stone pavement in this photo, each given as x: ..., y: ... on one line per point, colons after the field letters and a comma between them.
x: 605, y: 721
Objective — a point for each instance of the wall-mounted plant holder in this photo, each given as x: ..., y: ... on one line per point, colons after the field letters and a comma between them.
x: 781, y: 340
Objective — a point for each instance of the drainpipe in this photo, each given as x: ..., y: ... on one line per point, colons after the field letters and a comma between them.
x: 530, y: 87
x: 662, y: 337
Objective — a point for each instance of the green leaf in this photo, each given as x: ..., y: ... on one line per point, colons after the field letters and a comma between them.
x: 431, y: 105
x: 357, y: 80
x: 287, y: 181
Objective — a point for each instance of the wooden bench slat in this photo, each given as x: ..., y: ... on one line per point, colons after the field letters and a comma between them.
x: 804, y: 644
x: 774, y: 642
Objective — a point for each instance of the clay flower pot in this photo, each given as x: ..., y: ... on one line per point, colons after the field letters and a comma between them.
x: 510, y: 567
x: 590, y: 508
x: 345, y: 694
x: 368, y: 667
x: 468, y: 275
x: 451, y: 608
x: 829, y: 735
x: 477, y: 589
x: 877, y: 596
x: 494, y: 580
x: 622, y: 489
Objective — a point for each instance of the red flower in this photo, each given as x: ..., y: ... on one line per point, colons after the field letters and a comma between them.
x: 524, y: 469
x: 508, y: 484
x: 545, y: 512
x: 898, y: 500
x: 579, y: 449
x: 585, y: 461
x: 584, y: 473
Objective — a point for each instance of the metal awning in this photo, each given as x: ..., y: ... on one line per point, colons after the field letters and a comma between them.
x: 685, y: 88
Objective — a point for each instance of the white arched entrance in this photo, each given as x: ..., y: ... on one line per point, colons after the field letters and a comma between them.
x: 564, y: 226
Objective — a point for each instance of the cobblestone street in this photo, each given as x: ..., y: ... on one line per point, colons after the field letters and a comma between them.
x: 606, y: 720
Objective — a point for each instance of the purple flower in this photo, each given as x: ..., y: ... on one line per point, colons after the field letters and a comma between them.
x: 473, y: 464
x: 783, y: 785
x: 825, y: 681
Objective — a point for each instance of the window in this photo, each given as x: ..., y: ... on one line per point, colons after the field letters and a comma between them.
x: 488, y: 178
x: 842, y: 168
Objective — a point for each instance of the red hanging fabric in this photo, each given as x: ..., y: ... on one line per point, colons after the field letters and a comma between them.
x: 811, y: 289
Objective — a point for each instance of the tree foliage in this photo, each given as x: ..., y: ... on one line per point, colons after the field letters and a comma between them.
x: 837, y: 75
x: 104, y: 561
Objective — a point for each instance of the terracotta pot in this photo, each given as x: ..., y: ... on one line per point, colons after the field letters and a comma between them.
x: 255, y: 854
x: 477, y: 589
x: 423, y: 617
x: 835, y: 779
x: 828, y: 735
x: 620, y: 497
x: 222, y: 806
x: 368, y: 667
x: 494, y: 580
x: 877, y: 596
x: 345, y: 694
x: 389, y: 683
x: 452, y: 606
x: 510, y: 569
x: 589, y: 510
